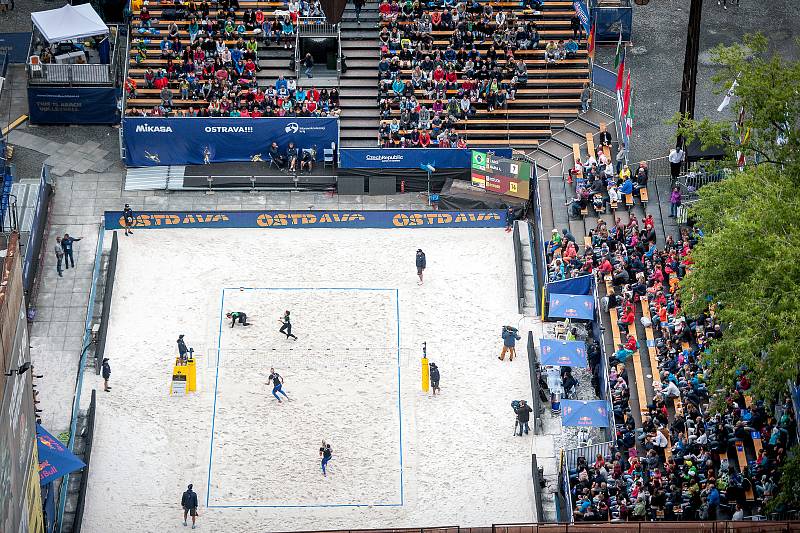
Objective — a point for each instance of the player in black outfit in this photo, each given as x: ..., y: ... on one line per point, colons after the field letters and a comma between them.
x: 286, y: 328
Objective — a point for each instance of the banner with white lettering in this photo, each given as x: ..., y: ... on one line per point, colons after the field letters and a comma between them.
x: 196, y: 141
x: 412, y: 157
x: 488, y: 218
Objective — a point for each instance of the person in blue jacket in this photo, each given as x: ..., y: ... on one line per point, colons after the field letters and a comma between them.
x: 510, y: 337
x: 66, y: 245
x: 421, y: 264
x: 627, y: 186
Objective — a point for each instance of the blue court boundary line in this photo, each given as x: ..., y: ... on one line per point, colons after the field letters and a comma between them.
x: 216, y: 384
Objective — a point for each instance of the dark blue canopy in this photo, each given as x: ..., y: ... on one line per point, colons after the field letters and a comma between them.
x: 556, y: 352
x: 571, y: 306
x: 587, y: 413
x: 55, y: 459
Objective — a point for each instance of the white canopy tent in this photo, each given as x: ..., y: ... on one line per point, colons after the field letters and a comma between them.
x: 68, y: 23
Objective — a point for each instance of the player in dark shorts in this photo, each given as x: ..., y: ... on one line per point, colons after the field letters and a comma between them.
x: 238, y: 315
x: 286, y: 328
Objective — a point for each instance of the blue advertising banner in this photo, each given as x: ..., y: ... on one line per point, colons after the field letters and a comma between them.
x: 492, y: 218
x: 55, y: 460
x: 579, y: 285
x: 571, y: 306
x: 412, y: 157
x: 16, y: 45
x: 611, y: 21
x: 555, y: 352
x: 587, y: 413
x: 72, y: 105
x: 197, y: 141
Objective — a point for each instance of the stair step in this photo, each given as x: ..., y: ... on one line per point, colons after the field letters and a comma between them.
x: 359, y: 143
x: 360, y: 133
x: 357, y: 101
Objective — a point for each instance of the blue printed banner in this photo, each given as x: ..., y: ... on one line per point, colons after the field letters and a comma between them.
x: 55, y: 459
x: 571, y: 306
x: 493, y: 218
x: 195, y: 141
x: 16, y: 46
x: 412, y: 157
x: 555, y: 352
x: 72, y: 105
x: 586, y: 413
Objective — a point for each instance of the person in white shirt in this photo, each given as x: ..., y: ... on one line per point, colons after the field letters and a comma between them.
x: 659, y: 440
x: 670, y: 390
x: 676, y: 157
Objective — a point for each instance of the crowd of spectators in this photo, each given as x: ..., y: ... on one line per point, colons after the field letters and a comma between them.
x: 436, y: 88
x: 682, y: 461
x: 214, y: 72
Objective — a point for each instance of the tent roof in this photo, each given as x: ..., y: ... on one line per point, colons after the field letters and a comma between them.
x: 69, y: 22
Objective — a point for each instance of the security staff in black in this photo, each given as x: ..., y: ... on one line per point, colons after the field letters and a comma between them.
x: 238, y: 315
x: 286, y: 328
x: 130, y: 220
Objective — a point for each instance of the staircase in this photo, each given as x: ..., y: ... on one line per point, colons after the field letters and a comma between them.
x: 358, y: 87
x: 528, y: 280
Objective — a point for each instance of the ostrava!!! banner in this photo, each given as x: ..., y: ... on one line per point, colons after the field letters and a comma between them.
x: 311, y: 219
x: 197, y: 141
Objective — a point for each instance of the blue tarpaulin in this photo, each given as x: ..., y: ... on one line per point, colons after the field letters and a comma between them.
x: 555, y: 352
x: 72, y: 105
x: 579, y: 285
x: 574, y: 306
x: 587, y: 413
x: 55, y: 460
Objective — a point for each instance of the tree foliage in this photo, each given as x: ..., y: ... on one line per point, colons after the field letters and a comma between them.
x: 748, y: 263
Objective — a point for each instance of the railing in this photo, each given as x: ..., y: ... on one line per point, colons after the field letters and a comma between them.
x: 316, y: 26
x: 339, y: 50
x: 87, y: 342
x: 535, y: 399
x: 588, y: 452
x: 604, y: 103
x: 78, y: 74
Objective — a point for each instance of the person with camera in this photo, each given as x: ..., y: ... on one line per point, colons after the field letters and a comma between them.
x: 523, y: 416
x: 510, y: 336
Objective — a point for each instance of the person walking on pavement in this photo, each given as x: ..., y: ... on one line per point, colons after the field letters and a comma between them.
x: 286, y: 328
x: 130, y: 220
x: 326, y: 453
x: 434, y: 375
x: 189, y: 504
x: 59, y: 256
x: 510, y: 337
x: 66, y: 245
x: 106, y: 372
x: 421, y: 264
x: 277, y: 384
x: 523, y: 416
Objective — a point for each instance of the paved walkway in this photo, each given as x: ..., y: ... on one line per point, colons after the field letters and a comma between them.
x: 61, y: 305
x: 65, y: 157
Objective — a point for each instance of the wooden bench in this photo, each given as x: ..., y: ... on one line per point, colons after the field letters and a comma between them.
x: 587, y: 241
x: 590, y: 144
x: 741, y: 459
x: 628, y: 201
x: 609, y: 281
x: 639, y: 372
x: 643, y: 196
x: 612, y: 312
x: 613, y: 205
x: 757, y: 444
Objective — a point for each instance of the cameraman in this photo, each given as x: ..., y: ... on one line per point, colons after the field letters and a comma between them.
x: 523, y: 416
x: 510, y: 337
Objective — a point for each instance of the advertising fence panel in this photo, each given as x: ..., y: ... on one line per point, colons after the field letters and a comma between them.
x: 16, y: 45
x: 197, y: 141
x: 311, y: 219
x: 72, y: 105
x: 439, y: 158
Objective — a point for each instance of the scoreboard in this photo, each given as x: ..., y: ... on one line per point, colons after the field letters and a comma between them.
x: 501, y: 176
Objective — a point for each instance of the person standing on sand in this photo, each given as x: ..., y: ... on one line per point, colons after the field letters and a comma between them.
x: 421, y: 264
x: 189, y: 504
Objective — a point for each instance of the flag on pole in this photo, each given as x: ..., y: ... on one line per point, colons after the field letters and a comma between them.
x: 620, y: 74
x: 618, y: 55
x: 626, y: 98
x: 629, y: 120
x: 590, y: 41
x: 728, y: 95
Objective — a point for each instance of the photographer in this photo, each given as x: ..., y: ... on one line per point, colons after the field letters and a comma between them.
x: 523, y: 416
x: 510, y: 336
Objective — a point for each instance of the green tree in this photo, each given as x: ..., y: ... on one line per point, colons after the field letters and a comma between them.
x: 748, y: 263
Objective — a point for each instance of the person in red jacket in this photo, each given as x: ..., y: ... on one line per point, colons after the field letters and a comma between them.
x: 424, y: 139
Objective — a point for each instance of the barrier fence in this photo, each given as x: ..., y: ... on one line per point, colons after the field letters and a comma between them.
x: 563, y: 495
x: 537, y: 402
x: 518, y: 268
x: 108, y: 290
x: 87, y: 457
x: 587, y: 452
x: 588, y: 527
x: 537, y: 488
x: 76, y: 400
